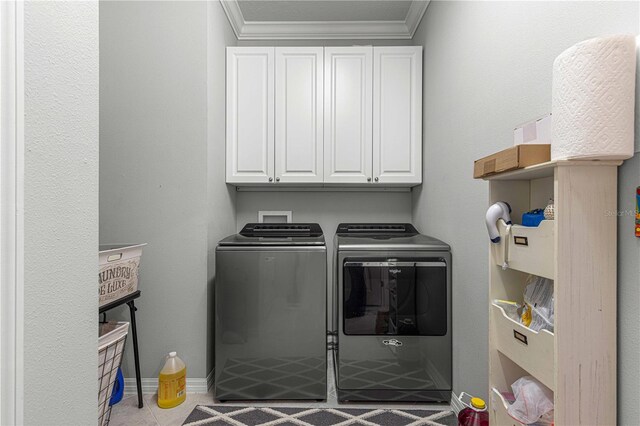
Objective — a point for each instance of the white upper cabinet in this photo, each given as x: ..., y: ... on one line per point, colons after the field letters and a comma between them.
x: 299, y: 115
x: 348, y: 114
x: 250, y: 114
x: 397, y: 115
x: 333, y: 115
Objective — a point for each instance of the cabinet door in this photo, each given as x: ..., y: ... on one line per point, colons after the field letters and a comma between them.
x: 348, y: 114
x: 299, y: 112
x: 397, y: 114
x: 250, y: 104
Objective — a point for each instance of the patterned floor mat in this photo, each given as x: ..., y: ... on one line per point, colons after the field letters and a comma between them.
x: 306, y: 416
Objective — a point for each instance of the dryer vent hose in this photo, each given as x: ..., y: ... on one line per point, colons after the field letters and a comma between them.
x: 499, y: 210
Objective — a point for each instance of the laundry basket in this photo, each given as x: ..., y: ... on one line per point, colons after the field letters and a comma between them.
x: 118, y: 274
x: 112, y: 336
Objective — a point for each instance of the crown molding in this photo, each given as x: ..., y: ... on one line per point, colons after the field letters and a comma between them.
x: 323, y: 30
x: 331, y: 30
x: 234, y: 14
x: 415, y: 14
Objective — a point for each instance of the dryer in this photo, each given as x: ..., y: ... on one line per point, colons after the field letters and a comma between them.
x: 392, y: 303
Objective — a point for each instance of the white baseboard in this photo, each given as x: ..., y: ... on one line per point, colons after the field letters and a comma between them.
x: 150, y: 385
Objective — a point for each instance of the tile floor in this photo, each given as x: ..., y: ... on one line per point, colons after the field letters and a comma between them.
x: 127, y: 413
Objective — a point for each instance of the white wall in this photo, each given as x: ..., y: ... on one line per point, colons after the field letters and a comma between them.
x: 60, y: 212
x: 153, y: 169
x: 487, y: 67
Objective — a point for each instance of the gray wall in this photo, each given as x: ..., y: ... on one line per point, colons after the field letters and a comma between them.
x: 162, y: 169
x: 153, y: 169
x: 487, y: 67
x: 221, y: 216
x: 327, y: 208
x: 60, y: 212
x: 629, y: 282
x: 628, y: 292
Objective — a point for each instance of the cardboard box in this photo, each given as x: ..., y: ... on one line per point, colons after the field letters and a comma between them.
x: 536, y: 131
x: 518, y: 157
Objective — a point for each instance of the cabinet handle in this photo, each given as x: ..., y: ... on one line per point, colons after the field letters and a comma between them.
x: 376, y: 179
x: 277, y: 179
x: 368, y: 179
x: 270, y: 179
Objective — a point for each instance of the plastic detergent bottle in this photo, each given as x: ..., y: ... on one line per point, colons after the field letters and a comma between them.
x: 475, y: 415
x: 172, y: 382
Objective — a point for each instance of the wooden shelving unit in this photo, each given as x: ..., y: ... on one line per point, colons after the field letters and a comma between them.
x: 578, y: 251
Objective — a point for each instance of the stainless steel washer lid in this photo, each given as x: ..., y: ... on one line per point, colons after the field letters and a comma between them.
x: 277, y: 234
x: 385, y: 236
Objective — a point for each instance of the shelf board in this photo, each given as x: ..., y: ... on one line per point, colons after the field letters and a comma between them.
x: 543, y: 170
x: 529, y: 349
x: 500, y: 407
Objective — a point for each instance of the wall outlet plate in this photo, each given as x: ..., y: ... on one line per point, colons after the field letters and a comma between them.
x: 268, y: 216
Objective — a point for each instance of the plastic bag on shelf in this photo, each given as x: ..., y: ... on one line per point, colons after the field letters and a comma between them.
x: 511, y: 309
x: 533, y: 400
x: 546, y: 420
x: 537, y: 313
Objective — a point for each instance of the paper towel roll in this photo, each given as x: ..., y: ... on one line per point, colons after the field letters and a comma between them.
x: 593, y: 99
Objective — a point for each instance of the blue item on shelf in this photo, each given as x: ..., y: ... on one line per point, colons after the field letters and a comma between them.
x: 533, y: 217
x: 118, y: 389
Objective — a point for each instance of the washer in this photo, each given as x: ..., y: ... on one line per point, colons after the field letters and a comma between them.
x: 271, y: 304
x: 393, y: 314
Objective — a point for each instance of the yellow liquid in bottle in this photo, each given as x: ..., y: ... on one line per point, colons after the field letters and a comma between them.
x: 172, y: 383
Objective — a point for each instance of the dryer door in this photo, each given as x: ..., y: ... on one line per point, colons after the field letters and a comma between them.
x: 398, y: 298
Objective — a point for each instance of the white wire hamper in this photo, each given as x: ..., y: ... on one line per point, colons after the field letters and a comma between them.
x: 111, y: 340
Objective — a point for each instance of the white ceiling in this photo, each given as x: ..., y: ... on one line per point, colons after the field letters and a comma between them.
x: 324, y: 19
x: 363, y: 10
